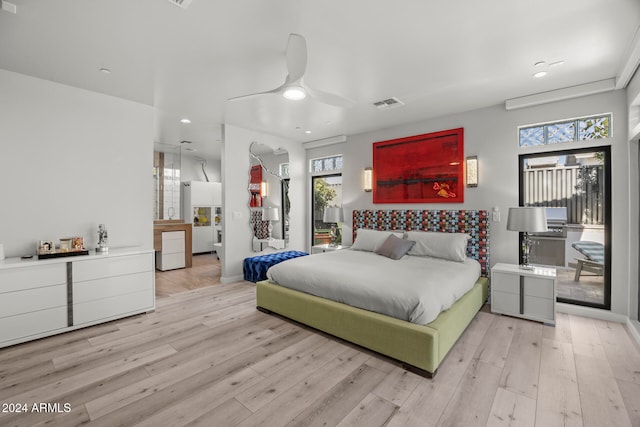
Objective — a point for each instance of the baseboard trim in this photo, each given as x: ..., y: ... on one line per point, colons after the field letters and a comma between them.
x: 232, y: 279
x: 591, y: 312
x: 634, y: 329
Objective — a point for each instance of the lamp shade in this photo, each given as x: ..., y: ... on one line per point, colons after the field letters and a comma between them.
x: 529, y: 220
x: 368, y: 179
x: 270, y: 214
x: 472, y: 171
x: 333, y: 215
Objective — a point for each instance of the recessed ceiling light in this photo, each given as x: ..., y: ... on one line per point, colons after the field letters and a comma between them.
x: 185, y: 121
x: 307, y: 131
x: 294, y: 93
x: 540, y: 74
x: 105, y: 70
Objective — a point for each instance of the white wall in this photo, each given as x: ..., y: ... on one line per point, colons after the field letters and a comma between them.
x: 191, y: 169
x: 633, y: 103
x: 237, y: 234
x: 71, y: 159
x: 491, y: 134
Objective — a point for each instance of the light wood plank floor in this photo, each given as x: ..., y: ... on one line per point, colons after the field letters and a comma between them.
x: 205, y: 272
x: 207, y: 357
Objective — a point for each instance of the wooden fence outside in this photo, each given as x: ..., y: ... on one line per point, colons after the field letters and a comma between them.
x: 578, y: 188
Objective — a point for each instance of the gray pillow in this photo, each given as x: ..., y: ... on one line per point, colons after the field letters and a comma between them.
x: 450, y: 246
x: 394, y: 247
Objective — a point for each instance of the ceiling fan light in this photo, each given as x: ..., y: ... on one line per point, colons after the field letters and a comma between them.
x: 294, y: 93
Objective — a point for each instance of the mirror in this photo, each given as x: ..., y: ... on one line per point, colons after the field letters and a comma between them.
x: 269, y: 203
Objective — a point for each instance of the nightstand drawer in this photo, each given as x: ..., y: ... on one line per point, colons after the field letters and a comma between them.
x: 505, y: 283
x: 541, y: 288
x: 503, y: 302
x: 539, y: 308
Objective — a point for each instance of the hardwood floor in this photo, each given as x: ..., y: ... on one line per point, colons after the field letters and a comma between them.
x: 207, y: 357
x: 205, y: 271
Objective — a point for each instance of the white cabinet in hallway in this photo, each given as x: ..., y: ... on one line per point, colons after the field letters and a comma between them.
x: 172, y: 255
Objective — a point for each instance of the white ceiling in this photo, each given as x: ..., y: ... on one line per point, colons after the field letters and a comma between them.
x: 437, y: 57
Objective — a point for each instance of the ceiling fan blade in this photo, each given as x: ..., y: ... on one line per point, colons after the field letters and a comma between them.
x: 296, y: 57
x: 329, y: 98
x: 276, y: 90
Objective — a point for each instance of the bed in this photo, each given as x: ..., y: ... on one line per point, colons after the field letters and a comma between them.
x: 418, y: 347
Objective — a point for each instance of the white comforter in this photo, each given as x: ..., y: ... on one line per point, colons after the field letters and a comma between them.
x: 415, y: 289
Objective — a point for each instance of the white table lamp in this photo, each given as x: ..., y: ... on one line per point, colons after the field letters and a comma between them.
x: 270, y: 215
x: 333, y: 215
x: 527, y: 220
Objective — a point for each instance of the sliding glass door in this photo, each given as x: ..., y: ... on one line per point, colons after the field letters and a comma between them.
x: 574, y: 186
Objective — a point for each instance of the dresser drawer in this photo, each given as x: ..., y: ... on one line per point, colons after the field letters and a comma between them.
x: 33, y: 300
x: 35, y: 276
x: 21, y: 327
x: 112, y: 266
x: 104, y: 309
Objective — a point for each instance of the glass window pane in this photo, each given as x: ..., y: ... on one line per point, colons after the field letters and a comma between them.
x: 317, y: 165
x: 530, y: 137
x: 328, y: 164
x: 561, y: 132
x: 594, y: 128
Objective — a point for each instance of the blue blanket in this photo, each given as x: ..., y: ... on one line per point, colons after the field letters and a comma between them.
x: 255, y: 268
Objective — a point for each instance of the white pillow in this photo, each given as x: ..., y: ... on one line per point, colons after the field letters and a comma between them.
x: 371, y: 240
x: 451, y: 246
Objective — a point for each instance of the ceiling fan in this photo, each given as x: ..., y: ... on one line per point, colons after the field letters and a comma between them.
x: 294, y: 87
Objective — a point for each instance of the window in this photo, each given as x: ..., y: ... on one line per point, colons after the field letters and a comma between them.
x: 326, y: 164
x: 581, y: 129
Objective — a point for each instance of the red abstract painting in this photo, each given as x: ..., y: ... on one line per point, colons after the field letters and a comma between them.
x: 420, y: 169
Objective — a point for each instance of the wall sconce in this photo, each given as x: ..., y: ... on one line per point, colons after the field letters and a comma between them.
x: 264, y: 189
x: 472, y: 171
x: 368, y: 179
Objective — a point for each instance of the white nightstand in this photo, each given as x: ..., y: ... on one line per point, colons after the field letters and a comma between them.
x: 318, y: 249
x: 530, y: 294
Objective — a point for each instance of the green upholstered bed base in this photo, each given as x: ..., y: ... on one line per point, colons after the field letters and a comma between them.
x: 419, y: 348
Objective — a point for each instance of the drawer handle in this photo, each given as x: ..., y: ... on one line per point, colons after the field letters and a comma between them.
x: 521, y: 294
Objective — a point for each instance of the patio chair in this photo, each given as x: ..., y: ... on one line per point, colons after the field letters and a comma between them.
x: 594, y: 258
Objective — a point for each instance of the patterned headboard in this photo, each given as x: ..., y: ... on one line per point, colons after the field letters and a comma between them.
x: 473, y: 222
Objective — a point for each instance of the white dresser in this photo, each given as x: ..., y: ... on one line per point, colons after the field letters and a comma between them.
x: 529, y: 294
x: 39, y: 298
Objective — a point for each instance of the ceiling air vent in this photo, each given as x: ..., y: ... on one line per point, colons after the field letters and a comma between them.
x: 6, y: 6
x: 385, y: 104
x: 181, y: 3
